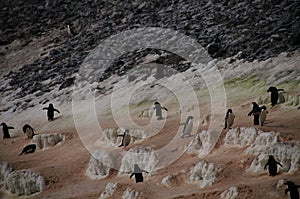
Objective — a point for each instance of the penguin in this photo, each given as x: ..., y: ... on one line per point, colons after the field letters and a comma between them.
x: 138, y: 174
x: 272, y: 163
x: 29, y: 131
x: 274, y: 95
x: 293, y: 189
x: 125, y: 138
x: 158, y: 108
x: 188, y: 126
x: 6, y: 130
x: 255, y: 112
x: 30, y: 148
x: 229, y: 119
x: 71, y: 29
x: 214, y: 49
x: 298, y: 108
x: 263, y: 115
x: 50, y: 112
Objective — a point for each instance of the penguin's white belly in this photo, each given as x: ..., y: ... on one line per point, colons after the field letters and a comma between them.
x: 188, y: 128
x: 127, y: 140
x: 263, y: 116
x: 230, y: 120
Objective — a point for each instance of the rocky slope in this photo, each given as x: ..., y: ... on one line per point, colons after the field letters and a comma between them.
x: 255, y: 30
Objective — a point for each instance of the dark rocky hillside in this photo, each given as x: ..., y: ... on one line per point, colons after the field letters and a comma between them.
x: 257, y: 29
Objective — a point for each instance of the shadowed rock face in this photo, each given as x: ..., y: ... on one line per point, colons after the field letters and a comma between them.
x: 255, y: 30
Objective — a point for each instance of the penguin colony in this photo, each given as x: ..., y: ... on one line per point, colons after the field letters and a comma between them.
x: 259, y: 114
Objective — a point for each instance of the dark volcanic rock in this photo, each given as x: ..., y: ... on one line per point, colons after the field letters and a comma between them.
x: 255, y: 29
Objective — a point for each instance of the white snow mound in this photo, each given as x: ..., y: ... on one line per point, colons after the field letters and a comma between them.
x: 109, y: 190
x: 43, y: 141
x: 250, y: 137
x: 100, y: 164
x: 201, y: 143
x: 288, y: 154
x: 230, y: 193
x: 169, y: 181
x: 110, y: 136
x: 5, y: 169
x: 24, y: 182
x: 144, y: 157
x: 205, y: 173
x: 130, y: 193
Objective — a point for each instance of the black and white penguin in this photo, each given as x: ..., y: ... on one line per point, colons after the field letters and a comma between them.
x: 255, y: 112
x: 292, y: 188
x: 274, y: 95
x: 50, y: 112
x: 138, y: 173
x: 272, y: 163
x: 263, y: 115
x: 158, y: 110
x: 71, y: 30
x: 30, y: 148
x: 188, y: 126
x: 229, y: 119
x: 29, y: 131
x: 125, y: 138
x: 6, y: 130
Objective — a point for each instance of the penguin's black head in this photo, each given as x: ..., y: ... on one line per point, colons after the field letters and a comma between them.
x: 254, y: 104
x: 229, y: 111
x: 264, y: 107
x: 2, y: 124
x: 136, y: 168
x: 271, y: 158
x: 50, y: 105
x: 272, y: 89
x: 290, y: 184
x: 156, y: 103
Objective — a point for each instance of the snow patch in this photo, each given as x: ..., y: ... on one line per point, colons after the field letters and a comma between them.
x: 205, y: 173
x: 144, y: 157
x: 5, y: 169
x: 130, y: 193
x: 288, y: 154
x: 262, y: 144
x: 169, y: 181
x: 109, y: 190
x: 24, y: 182
x: 250, y: 137
x: 201, y: 143
x: 110, y: 136
x: 230, y: 193
x: 100, y: 164
x: 43, y: 141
